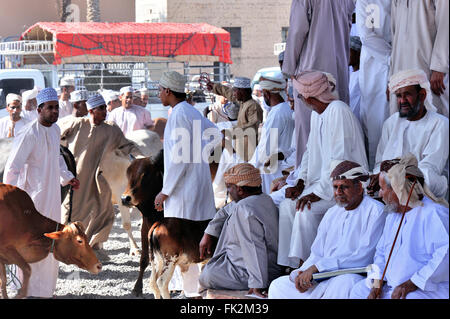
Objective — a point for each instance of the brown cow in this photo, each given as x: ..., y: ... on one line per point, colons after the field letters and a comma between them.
x: 27, y: 237
x: 166, y: 242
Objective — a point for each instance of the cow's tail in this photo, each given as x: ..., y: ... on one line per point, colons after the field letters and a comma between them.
x: 153, y: 243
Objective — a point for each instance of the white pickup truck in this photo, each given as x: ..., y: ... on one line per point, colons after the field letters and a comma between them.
x: 16, y: 81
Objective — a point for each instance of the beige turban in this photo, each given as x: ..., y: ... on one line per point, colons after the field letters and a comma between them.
x: 398, y: 176
x: 314, y: 84
x: 412, y: 77
x: 341, y: 169
x: 173, y: 81
x: 243, y: 174
x: 11, y: 97
x: 28, y: 95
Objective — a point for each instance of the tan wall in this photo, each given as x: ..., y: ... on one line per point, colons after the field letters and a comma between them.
x: 21, y: 14
x: 260, y: 21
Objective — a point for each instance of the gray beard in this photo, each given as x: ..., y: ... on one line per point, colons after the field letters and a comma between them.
x: 413, y: 112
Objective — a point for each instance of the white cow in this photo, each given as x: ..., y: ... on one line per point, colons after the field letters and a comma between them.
x: 114, y: 169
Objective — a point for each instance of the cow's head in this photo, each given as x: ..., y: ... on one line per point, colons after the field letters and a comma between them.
x: 144, y: 182
x: 72, y: 247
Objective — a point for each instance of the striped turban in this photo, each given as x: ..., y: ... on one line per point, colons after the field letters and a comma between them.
x: 243, y: 174
x: 341, y: 169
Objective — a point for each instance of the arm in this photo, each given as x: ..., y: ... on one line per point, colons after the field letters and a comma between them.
x: 434, y: 158
x: 148, y: 122
x: 440, y: 53
x: 66, y: 176
x: 222, y: 90
x: 297, y: 35
x: 253, y: 115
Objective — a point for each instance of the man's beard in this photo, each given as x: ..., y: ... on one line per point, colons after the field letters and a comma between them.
x: 413, y: 111
x: 390, y: 208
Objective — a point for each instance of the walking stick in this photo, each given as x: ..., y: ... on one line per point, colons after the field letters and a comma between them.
x: 70, y: 203
x: 378, y: 292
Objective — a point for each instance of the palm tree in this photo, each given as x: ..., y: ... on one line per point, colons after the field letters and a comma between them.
x: 62, y: 6
x: 93, y: 11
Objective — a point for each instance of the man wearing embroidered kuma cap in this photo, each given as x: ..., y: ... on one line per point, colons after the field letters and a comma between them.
x: 247, y: 232
x: 335, y: 133
x: 415, y: 128
x: 10, y: 125
x: 90, y: 140
x: 130, y: 117
x: 187, y: 187
x: 250, y: 112
x: 36, y: 166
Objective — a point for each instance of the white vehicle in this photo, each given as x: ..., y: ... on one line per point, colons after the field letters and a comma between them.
x: 17, y: 81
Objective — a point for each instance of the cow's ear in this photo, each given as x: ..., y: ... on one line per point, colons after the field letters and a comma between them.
x: 54, y: 235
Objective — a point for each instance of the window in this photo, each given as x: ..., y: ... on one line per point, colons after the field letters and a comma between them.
x: 235, y: 36
x: 284, y: 34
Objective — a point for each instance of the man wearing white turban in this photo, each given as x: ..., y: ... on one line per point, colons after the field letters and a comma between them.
x: 91, y: 140
x: 420, y: 39
x: 36, y: 166
x: 247, y: 234
x: 12, y: 124
x: 415, y: 128
x: 67, y: 86
x: 335, y: 134
x: 346, y: 238
x: 130, y: 117
x: 275, y: 142
x: 418, y: 267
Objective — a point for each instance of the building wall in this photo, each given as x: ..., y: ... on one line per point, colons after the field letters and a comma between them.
x: 21, y: 14
x: 261, y: 22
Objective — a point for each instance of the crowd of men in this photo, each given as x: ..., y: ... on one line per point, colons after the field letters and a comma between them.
x: 339, y: 162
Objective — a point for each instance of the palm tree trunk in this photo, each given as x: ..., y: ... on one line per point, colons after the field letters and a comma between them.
x: 93, y: 11
x: 62, y: 6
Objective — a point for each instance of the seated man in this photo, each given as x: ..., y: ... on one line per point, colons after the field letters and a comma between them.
x: 346, y: 238
x: 335, y: 134
x: 247, y: 231
x: 418, y: 267
x: 416, y: 128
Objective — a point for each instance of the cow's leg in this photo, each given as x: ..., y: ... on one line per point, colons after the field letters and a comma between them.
x: 156, y: 265
x: 125, y: 214
x: 143, y: 263
x: 13, y: 257
x: 167, y: 273
x: 3, y: 281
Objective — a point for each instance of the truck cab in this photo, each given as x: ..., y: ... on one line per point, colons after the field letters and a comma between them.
x: 17, y: 81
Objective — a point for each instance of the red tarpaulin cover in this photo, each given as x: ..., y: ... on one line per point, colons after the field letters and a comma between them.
x: 132, y: 39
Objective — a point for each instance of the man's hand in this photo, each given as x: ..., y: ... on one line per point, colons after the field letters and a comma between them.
x: 206, y: 246
x: 437, y: 82
x: 75, y: 183
x: 303, y: 281
x: 260, y: 292
x: 294, y: 192
x: 306, y: 201
x: 206, y: 110
x: 373, y: 186
x: 278, y: 184
x: 404, y: 289
x: 209, y: 85
x: 375, y: 293
x: 159, y: 200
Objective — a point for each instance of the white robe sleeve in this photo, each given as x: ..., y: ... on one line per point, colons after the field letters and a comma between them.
x: 440, y: 55
x: 436, y: 243
x: 435, y: 156
x: 22, y: 147
x: 65, y: 175
x: 370, y: 234
x: 250, y: 233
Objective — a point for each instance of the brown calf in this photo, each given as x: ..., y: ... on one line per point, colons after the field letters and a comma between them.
x: 27, y: 237
x: 166, y: 242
